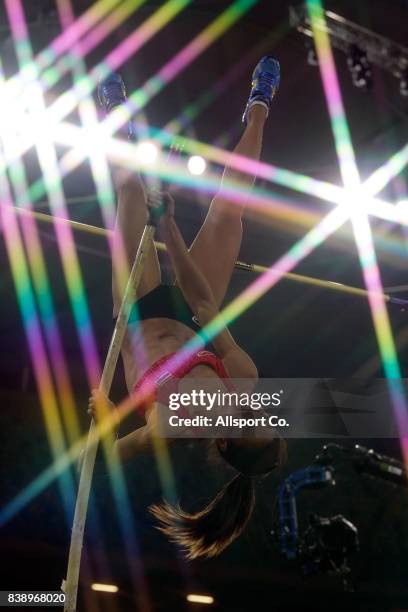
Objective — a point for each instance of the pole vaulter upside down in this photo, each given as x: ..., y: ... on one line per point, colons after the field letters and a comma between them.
x: 155, y: 321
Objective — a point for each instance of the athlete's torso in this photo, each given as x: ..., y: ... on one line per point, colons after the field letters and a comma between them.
x: 153, y: 337
x: 161, y: 323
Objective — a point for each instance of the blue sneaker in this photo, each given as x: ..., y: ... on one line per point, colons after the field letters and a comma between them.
x: 112, y: 93
x: 265, y: 83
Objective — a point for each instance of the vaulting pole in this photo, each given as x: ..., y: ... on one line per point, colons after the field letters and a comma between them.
x: 70, y: 584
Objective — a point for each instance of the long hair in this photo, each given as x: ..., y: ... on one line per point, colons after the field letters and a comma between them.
x: 207, y: 532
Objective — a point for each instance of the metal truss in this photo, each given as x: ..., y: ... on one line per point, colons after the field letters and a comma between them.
x: 344, y: 35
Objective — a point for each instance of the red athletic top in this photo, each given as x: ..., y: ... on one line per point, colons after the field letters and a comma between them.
x: 165, y: 372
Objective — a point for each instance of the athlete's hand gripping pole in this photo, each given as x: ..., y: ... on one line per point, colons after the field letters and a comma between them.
x: 70, y: 585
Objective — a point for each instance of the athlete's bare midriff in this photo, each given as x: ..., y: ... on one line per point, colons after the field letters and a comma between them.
x: 151, y: 340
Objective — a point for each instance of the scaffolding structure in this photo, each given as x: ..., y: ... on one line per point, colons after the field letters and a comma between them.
x: 346, y: 35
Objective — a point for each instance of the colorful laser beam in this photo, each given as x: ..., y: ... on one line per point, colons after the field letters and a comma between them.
x: 385, y: 173
x: 43, y: 293
x: 68, y: 62
x: 323, y: 190
x: 32, y: 327
x: 194, y: 109
x: 89, y: 119
x: 358, y: 216
x: 48, y: 163
x: 61, y: 44
x: 128, y: 47
x: 139, y: 99
x: 68, y: 101
x: 122, y: 152
x: 53, y: 425
x: 333, y: 194
x: 52, y: 419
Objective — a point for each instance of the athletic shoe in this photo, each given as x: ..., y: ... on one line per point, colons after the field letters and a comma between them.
x: 265, y: 83
x: 112, y: 93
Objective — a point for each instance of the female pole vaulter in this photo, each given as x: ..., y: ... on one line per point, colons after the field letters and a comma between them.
x: 165, y: 318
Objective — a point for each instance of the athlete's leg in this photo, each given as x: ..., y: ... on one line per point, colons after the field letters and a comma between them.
x: 217, y: 244
x: 132, y: 209
x: 130, y: 222
x: 216, y: 247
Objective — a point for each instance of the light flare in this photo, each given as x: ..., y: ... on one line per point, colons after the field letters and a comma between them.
x: 196, y: 165
x: 359, y: 217
x: 146, y: 152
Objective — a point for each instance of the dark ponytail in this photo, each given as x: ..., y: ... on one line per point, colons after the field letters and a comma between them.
x: 208, y: 532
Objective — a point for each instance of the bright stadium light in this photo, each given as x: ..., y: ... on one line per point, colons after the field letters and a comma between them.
x: 196, y: 165
x: 147, y: 152
x: 104, y: 588
x: 202, y: 599
x: 402, y: 208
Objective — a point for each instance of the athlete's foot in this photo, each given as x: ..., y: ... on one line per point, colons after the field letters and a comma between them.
x: 265, y: 83
x: 112, y: 93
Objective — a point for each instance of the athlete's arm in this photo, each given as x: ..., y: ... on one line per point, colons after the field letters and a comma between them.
x: 138, y: 441
x: 199, y: 297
